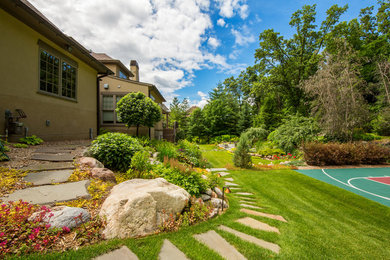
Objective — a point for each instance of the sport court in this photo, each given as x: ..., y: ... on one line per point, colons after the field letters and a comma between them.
x: 371, y: 183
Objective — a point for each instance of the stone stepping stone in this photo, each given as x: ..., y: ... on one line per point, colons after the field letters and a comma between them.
x: 230, y: 184
x: 253, y: 223
x: 170, y: 252
x: 249, y: 202
x: 249, y: 206
x: 48, y: 177
x: 49, y: 166
x: 51, y: 150
x: 53, y: 157
x: 123, y: 253
x: 218, y: 169
x: 261, y: 214
x: 223, y: 174
x: 217, y: 243
x: 229, y: 179
x: 234, y: 188
x: 49, y: 194
x: 244, y: 193
x: 259, y: 242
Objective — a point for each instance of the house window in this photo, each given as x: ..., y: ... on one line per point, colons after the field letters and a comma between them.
x: 122, y: 75
x: 109, y: 115
x: 57, y: 73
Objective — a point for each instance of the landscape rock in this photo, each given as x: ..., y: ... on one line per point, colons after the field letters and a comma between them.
x: 103, y: 174
x: 89, y: 162
x: 218, y: 192
x: 209, y: 191
x: 204, y: 177
x: 65, y: 217
x: 138, y: 207
x: 205, y: 197
x: 214, y: 195
x: 213, y: 213
x: 217, y: 203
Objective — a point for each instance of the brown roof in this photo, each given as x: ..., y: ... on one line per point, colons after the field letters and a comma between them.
x: 105, y: 59
x: 24, y: 11
x: 101, y: 56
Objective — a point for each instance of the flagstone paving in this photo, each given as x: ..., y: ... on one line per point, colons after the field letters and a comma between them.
x: 249, y: 202
x: 259, y: 242
x: 230, y: 184
x: 244, y: 193
x: 53, y: 157
x: 48, y: 177
x: 249, y: 206
x: 49, y: 166
x: 223, y: 174
x: 49, y: 194
x: 123, y: 253
x: 235, y: 188
x: 218, y: 169
x: 170, y: 252
x: 262, y: 214
x: 229, y: 179
x: 217, y: 243
x: 253, y: 223
x: 52, y: 150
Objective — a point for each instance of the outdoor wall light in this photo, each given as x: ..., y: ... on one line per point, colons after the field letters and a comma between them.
x: 47, y: 122
x: 106, y: 86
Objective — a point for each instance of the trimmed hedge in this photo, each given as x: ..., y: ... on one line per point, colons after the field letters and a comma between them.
x: 345, y: 153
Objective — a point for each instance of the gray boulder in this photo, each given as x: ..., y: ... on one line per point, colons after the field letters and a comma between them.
x: 64, y: 216
x: 138, y: 207
x: 205, y: 197
x: 217, y: 203
x: 218, y: 192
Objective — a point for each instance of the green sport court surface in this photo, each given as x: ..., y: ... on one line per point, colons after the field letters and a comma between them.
x: 372, y: 183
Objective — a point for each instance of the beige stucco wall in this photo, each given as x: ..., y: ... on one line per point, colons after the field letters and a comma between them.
x: 19, y: 52
x: 119, y: 86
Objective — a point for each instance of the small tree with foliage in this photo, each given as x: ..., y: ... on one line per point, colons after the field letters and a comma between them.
x: 136, y: 109
x: 241, y: 157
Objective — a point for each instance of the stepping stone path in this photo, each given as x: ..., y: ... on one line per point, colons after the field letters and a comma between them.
x: 230, y: 184
x: 48, y: 177
x: 234, y: 188
x: 52, y: 150
x: 49, y: 194
x: 217, y: 243
x: 253, y: 223
x: 218, y: 169
x: 223, y: 174
x: 261, y: 214
x: 122, y: 253
x: 49, y: 166
x: 259, y: 242
x: 53, y: 157
x: 229, y: 179
x: 249, y: 206
x: 244, y: 193
x: 170, y: 252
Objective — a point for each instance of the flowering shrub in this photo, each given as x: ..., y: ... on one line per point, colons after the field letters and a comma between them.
x: 19, y: 235
x: 11, y: 180
x: 90, y: 232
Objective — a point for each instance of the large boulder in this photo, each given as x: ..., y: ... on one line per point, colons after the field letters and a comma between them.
x: 103, y: 174
x: 63, y: 216
x: 138, y: 207
x: 89, y: 162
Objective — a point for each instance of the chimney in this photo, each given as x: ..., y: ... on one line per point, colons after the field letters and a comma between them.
x: 134, y: 69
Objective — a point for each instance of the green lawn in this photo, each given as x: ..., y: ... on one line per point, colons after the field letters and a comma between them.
x: 324, y: 222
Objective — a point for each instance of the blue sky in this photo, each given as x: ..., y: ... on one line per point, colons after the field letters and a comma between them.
x: 184, y: 47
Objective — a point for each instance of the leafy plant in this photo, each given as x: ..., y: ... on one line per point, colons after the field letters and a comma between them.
x: 255, y: 134
x: 115, y: 150
x: 31, y: 140
x: 241, y: 156
x: 382, y: 122
x: 166, y: 149
x: 293, y: 132
x: 20, y: 145
x: 3, y: 149
x: 11, y: 179
x: 140, y: 162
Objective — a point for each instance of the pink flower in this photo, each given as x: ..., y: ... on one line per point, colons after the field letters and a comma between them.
x: 31, y: 236
x: 294, y: 157
x: 65, y: 229
x: 2, y: 234
x: 48, y: 226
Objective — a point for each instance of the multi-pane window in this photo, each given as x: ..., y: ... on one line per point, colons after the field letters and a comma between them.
x: 56, y: 75
x: 109, y: 115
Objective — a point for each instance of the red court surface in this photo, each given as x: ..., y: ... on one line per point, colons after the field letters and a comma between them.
x: 385, y: 180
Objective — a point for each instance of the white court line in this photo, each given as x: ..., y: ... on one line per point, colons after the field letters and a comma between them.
x: 351, y: 186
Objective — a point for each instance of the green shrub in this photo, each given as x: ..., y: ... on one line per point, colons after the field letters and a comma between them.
x: 213, y: 180
x: 166, y: 149
x: 293, y: 132
x: 31, y: 140
x: 359, y: 135
x: 241, y: 156
x: 381, y: 124
x: 189, y: 180
x: 20, y: 145
x: 3, y: 150
x: 115, y: 150
x: 345, y: 154
x: 255, y: 134
x: 224, y: 138
x: 189, y: 149
x: 140, y: 161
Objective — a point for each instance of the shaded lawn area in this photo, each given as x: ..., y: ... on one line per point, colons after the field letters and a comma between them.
x: 217, y: 158
x: 324, y: 222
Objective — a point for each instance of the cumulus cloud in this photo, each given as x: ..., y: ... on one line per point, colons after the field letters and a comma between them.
x: 242, y: 37
x: 203, y: 100
x: 228, y: 8
x: 213, y: 42
x: 221, y: 22
x: 164, y: 36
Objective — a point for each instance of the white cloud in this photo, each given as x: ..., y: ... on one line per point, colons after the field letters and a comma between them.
x: 244, y: 37
x: 213, y: 42
x: 221, y: 22
x: 234, y: 54
x: 228, y: 8
x: 203, y: 100
x: 164, y: 36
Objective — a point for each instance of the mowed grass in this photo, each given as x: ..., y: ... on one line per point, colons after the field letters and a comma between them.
x: 324, y: 222
x: 217, y: 158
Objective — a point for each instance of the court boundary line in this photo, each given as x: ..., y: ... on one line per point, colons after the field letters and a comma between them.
x: 352, y: 186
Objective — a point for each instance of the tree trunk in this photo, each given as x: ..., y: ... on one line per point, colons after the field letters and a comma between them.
x: 137, y: 130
